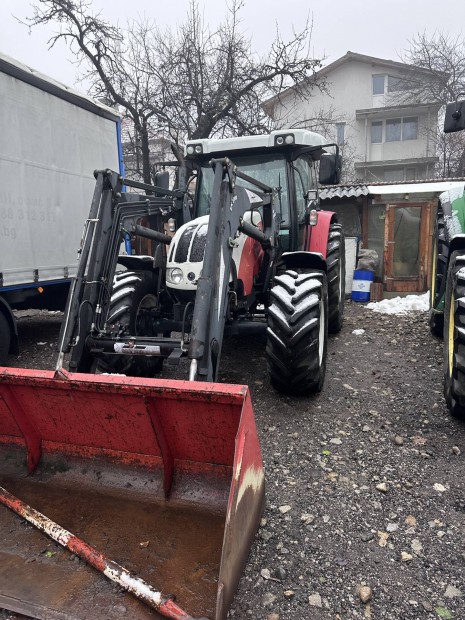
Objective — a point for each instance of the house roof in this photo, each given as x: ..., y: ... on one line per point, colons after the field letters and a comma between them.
x: 348, y: 57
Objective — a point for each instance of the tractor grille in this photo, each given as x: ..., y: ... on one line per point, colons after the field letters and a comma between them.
x: 198, y: 236
x: 183, y: 245
x: 198, y: 245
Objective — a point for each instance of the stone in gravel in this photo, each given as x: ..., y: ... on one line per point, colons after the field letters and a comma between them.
x: 307, y: 519
x: 406, y: 557
x: 265, y: 573
x: 392, y: 527
x: 410, y: 520
x: 416, y: 546
x: 288, y: 593
x: 336, y: 441
x: 439, y: 487
x: 366, y: 428
x: 279, y: 573
x: 266, y: 536
x: 315, y: 600
x: 272, y: 617
x: 365, y: 593
x: 268, y: 598
x: 382, y: 538
x: 382, y: 486
x: 427, y: 606
x: 398, y: 440
x: 456, y: 450
x: 367, y: 537
x: 284, y: 509
x: 440, y: 534
x: 453, y: 592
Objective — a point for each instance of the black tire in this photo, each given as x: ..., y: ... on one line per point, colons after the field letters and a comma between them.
x: 5, y: 339
x: 440, y: 255
x: 297, y: 332
x: 133, y: 296
x: 454, y: 336
x: 336, y: 274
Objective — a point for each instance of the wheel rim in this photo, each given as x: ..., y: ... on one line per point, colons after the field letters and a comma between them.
x: 321, y: 335
x: 450, y: 339
x: 433, y: 275
x: 146, y: 303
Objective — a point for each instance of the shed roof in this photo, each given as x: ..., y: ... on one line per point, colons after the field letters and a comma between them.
x: 428, y: 186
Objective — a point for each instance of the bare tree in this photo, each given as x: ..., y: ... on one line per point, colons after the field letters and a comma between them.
x: 441, y: 59
x: 179, y: 84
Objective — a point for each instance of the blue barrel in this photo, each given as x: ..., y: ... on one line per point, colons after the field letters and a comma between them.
x: 361, y: 284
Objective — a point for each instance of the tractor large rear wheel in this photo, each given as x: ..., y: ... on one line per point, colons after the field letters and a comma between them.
x: 454, y: 336
x: 297, y: 332
x: 133, y: 300
x: 336, y: 274
x: 438, y: 275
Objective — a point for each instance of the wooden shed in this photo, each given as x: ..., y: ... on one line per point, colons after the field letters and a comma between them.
x: 396, y: 220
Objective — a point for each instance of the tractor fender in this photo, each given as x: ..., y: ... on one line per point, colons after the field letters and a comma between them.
x: 317, y: 240
x: 136, y: 263
x: 7, y: 312
x: 304, y: 260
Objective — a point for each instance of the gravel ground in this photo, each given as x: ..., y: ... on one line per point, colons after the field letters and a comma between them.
x: 365, y: 501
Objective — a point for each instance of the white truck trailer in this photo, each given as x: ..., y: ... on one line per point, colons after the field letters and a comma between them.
x: 52, y: 138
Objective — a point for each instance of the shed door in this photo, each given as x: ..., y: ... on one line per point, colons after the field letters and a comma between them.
x: 406, y: 247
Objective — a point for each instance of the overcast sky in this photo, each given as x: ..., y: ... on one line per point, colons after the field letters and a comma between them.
x: 380, y: 29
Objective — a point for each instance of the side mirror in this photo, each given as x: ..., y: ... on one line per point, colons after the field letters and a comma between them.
x: 330, y: 169
x: 312, y: 200
x: 455, y: 117
x: 162, y: 179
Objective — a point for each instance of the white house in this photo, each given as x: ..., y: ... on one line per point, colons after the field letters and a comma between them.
x: 380, y: 138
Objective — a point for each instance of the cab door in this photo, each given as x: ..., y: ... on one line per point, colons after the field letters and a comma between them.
x: 304, y: 179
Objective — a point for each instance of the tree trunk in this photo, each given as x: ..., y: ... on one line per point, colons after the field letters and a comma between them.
x: 145, y: 150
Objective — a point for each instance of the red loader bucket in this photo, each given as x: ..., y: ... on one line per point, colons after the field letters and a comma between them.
x: 165, y: 477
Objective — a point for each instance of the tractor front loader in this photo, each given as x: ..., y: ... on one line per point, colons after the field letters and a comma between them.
x: 447, y: 297
x: 163, y: 478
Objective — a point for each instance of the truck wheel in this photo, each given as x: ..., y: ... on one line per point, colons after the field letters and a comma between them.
x: 133, y: 296
x: 297, y: 332
x: 5, y: 339
x: 438, y: 275
x: 454, y: 336
x: 336, y: 274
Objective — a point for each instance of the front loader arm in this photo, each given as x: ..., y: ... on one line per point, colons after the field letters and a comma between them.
x: 228, y: 205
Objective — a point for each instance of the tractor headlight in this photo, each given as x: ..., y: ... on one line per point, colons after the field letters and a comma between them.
x: 284, y: 139
x: 174, y: 275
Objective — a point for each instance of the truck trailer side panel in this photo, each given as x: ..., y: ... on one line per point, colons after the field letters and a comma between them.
x: 49, y: 148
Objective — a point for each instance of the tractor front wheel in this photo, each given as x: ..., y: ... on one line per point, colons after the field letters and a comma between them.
x: 133, y: 300
x: 297, y: 332
x: 454, y: 336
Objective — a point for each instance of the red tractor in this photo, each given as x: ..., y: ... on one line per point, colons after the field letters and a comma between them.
x: 249, y: 251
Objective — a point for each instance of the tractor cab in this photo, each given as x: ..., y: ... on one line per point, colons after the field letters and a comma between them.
x: 286, y: 161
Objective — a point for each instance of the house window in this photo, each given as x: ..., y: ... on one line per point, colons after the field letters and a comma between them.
x: 378, y: 84
x: 401, y: 129
x: 393, y: 129
x: 397, y: 84
x: 394, y: 175
x: 409, y: 128
x: 340, y: 133
x: 376, y: 132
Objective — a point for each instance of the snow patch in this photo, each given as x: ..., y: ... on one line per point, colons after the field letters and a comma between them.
x: 401, y: 305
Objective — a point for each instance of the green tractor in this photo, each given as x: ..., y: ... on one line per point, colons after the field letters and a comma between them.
x: 447, y: 313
